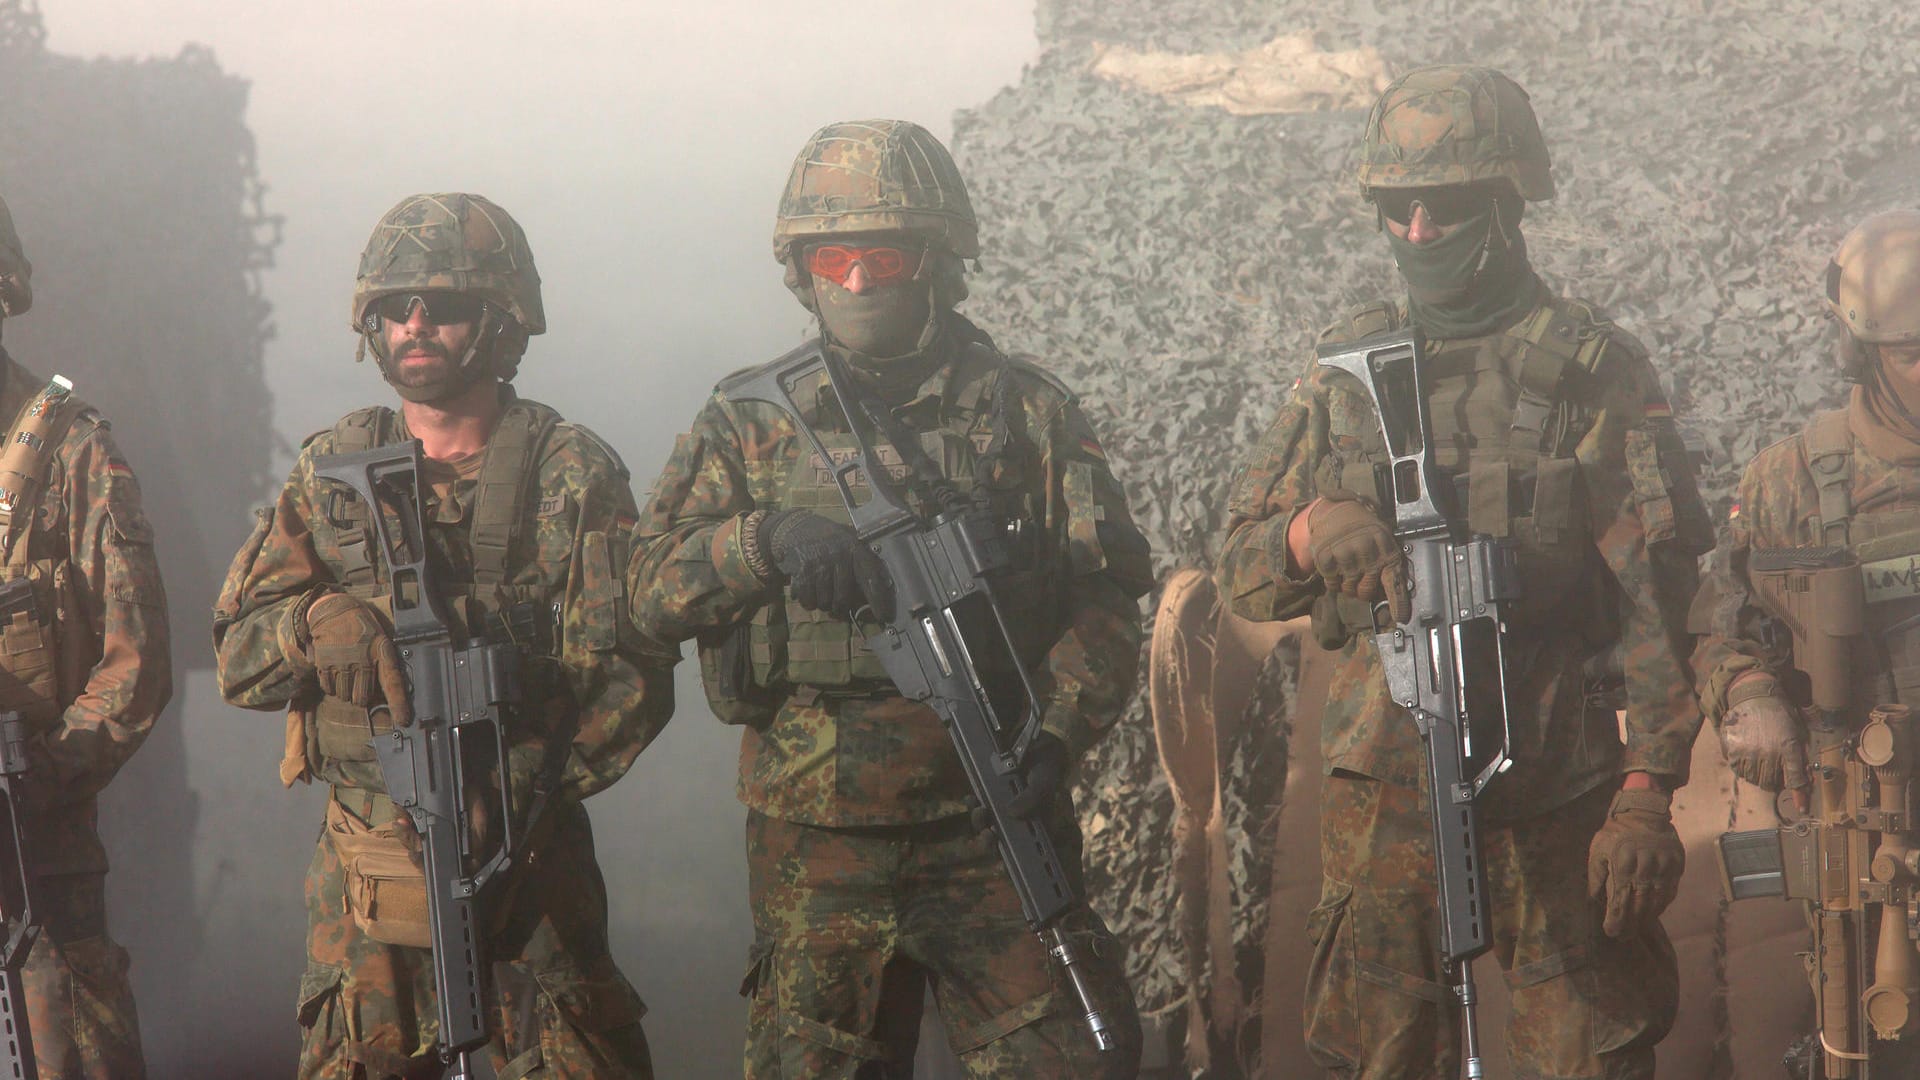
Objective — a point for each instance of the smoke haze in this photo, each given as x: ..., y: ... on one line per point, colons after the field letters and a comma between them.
x: 642, y: 146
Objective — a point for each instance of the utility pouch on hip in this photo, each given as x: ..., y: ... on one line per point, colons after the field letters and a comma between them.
x: 386, y: 892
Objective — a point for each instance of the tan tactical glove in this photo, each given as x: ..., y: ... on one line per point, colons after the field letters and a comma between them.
x: 1355, y: 553
x: 353, y: 656
x: 1762, y: 736
x: 1635, y: 860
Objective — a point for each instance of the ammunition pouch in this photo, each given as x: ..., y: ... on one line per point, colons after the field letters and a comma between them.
x: 41, y: 641
x: 726, y: 672
x: 386, y: 891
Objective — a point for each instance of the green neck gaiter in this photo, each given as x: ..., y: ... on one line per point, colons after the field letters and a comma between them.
x: 1469, y: 282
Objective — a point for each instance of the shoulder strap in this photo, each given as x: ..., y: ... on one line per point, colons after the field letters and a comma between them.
x: 1377, y: 317
x: 1829, y: 448
x: 981, y: 369
x: 361, y: 429
x: 512, y: 456
x: 1555, y: 343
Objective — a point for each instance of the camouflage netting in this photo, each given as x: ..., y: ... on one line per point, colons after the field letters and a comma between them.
x: 1174, y: 263
x: 134, y: 188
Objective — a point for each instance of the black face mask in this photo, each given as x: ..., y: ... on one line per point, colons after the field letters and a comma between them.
x: 1469, y: 282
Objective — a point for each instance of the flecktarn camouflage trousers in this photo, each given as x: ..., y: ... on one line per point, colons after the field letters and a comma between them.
x: 79, y: 996
x: 562, y: 1009
x: 1585, y: 1006
x: 852, y: 925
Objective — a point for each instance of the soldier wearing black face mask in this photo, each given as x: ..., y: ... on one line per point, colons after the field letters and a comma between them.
x: 1551, y: 424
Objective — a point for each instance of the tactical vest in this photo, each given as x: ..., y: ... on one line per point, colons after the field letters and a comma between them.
x: 981, y: 445
x: 46, y: 648
x: 482, y: 600
x: 1508, y: 413
x: 1887, y: 543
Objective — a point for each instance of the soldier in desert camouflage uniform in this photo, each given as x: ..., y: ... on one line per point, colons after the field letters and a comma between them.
x: 1850, y: 478
x: 1553, y: 424
x: 867, y: 878
x: 530, y: 517
x: 87, y: 667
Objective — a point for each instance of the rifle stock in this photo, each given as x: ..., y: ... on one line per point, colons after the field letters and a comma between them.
x: 1447, y: 663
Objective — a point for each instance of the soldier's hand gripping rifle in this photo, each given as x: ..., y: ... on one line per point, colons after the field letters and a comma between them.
x: 16, y: 889
x: 1862, y: 767
x: 1447, y: 663
x: 460, y: 694
x: 946, y: 643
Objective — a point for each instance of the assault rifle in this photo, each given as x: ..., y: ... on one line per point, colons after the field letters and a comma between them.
x: 1862, y: 768
x: 1447, y: 663
x: 460, y: 694
x: 946, y: 642
x: 17, y: 895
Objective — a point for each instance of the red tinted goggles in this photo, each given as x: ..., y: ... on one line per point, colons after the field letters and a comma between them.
x: 884, y: 265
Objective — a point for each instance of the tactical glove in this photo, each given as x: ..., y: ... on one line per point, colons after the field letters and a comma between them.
x: 353, y: 656
x: 1762, y: 736
x: 1355, y: 553
x: 827, y: 566
x: 1635, y: 860
x: 1047, y: 761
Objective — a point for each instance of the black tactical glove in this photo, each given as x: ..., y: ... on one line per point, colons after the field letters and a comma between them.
x: 828, y: 567
x: 1046, y: 770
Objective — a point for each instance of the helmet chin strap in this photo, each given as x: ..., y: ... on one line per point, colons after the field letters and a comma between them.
x: 1883, y: 388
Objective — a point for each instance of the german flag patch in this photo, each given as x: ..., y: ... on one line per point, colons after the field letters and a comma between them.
x: 1091, y: 447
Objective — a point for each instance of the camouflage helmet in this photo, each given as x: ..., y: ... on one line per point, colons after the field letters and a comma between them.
x: 1873, y: 282
x: 465, y: 243
x: 1453, y: 124
x: 869, y: 176
x: 16, y: 273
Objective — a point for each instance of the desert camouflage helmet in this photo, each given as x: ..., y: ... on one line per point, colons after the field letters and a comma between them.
x: 16, y: 273
x: 465, y: 243
x: 1455, y: 125
x: 868, y: 176
x: 1873, y: 282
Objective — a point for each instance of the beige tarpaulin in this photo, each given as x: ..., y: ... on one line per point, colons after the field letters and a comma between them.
x: 1286, y: 75
x: 1743, y: 992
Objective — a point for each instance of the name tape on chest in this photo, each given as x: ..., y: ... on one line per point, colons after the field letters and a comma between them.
x: 1897, y: 578
x: 889, y: 459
